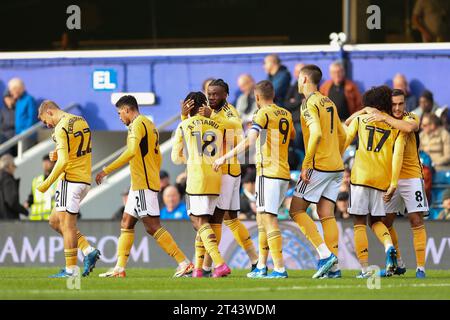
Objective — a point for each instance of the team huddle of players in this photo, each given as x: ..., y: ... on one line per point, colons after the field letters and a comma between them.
x: 386, y: 178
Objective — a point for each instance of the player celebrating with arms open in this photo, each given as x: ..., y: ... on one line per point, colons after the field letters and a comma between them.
x: 272, y: 130
x: 144, y: 157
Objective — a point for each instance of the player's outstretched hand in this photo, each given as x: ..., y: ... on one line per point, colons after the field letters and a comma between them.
x: 304, y: 176
x: 186, y: 107
x: 99, y: 177
x: 218, y: 163
x: 53, y: 155
x: 389, y: 193
x: 205, y: 111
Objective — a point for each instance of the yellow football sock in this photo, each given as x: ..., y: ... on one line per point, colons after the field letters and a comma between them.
x: 83, y: 244
x: 276, y: 248
x: 242, y: 236
x: 263, y: 247
x: 168, y: 244
x: 361, y: 244
x: 420, y: 244
x: 217, y: 228
x: 382, y: 233
x: 394, y: 237
x: 199, y: 252
x: 126, y: 240
x: 71, y: 257
x: 331, y: 234
x: 308, y: 228
x: 210, y: 242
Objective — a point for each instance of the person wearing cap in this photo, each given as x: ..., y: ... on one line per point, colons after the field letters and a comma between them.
x: 41, y: 204
x: 445, y: 213
x: 10, y: 207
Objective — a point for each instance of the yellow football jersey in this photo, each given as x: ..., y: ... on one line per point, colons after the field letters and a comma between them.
x: 377, y: 143
x: 319, y: 109
x: 275, y: 132
x: 143, y: 155
x: 73, y: 134
x: 198, y: 142
x: 229, y: 117
x: 411, y: 167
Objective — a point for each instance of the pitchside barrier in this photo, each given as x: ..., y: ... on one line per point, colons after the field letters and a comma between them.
x: 25, y: 244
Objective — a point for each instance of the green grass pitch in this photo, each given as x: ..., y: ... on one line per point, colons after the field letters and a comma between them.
x: 32, y: 283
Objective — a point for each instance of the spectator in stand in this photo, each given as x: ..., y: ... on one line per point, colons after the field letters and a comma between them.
x: 343, y: 92
x: 279, y: 75
x: 248, y: 197
x: 26, y: 110
x: 205, y: 85
x: 41, y: 204
x: 426, y: 104
x: 444, y: 115
x: 283, y: 212
x: 428, y: 171
x: 292, y: 102
x: 10, y: 207
x: 119, y: 213
x: 246, y: 103
x: 399, y: 82
x: 431, y: 18
x: 341, y: 209
x: 445, y: 213
x: 435, y: 141
x: 164, y: 181
x: 7, y: 121
x: 345, y: 185
x: 173, y: 208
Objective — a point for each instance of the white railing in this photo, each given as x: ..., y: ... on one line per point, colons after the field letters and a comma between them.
x: 18, y: 139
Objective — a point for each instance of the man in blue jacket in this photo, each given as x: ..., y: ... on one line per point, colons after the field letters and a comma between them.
x: 26, y: 110
x: 280, y: 77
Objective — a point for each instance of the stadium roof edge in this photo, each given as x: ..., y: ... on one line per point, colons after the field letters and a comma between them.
x: 216, y: 51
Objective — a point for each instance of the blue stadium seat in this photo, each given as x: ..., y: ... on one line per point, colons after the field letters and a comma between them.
x: 437, y: 194
x: 441, y: 177
x: 434, y: 212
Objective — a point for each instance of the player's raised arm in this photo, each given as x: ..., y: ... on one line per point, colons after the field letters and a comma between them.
x: 62, y: 150
x: 360, y: 112
x: 397, y: 160
x: 177, y: 154
x: 240, y: 147
x: 407, y: 126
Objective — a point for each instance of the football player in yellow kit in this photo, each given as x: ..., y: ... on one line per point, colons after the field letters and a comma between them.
x: 228, y: 204
x: 73, y: 169
x: 410, y: 194
x: 144, y: 157
x: 322, y: 171
x: 272, y: 130
x: 198, y: 142
x: 374, y: 177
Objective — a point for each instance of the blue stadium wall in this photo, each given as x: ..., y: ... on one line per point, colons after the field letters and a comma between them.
x: 68, y: 80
